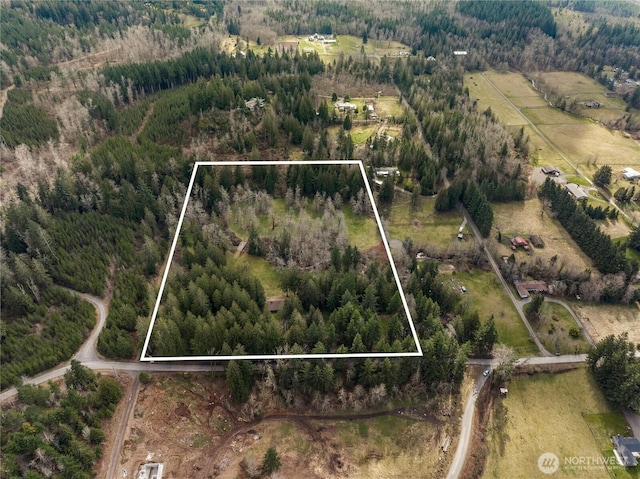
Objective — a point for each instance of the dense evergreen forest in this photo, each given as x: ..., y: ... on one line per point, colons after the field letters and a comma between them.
x: 99, y: 156
x: 110, y: 104
x: 56, y: 430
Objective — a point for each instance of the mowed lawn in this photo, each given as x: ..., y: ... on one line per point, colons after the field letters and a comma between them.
x: 553, y: 330
x: 546, y: 413
x: 526, y: 218
x: 486, y: 294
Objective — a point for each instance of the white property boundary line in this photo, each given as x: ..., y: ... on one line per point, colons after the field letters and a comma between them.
x: 144, y: 357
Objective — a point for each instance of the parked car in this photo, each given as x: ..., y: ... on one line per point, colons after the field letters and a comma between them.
x: 486, y: 372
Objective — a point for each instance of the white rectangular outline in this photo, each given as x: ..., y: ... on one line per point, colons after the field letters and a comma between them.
x: 197, y: 164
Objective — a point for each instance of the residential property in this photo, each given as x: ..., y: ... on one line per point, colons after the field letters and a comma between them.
x: 254, y: 103
x: 346, y: 106
x: 151, y: 471
x: 592, y: 104
x: 576, y: 191
x: 550, y: 170
x: 384, y: 172
x: 524, y: 288
x: 626, y: 449
x: 630, y: 174
x: 519, y: 241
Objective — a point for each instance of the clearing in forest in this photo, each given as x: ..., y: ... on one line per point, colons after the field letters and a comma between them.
x: 279, y: 259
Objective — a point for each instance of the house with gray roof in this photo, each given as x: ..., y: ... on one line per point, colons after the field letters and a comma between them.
x: 626, y: 449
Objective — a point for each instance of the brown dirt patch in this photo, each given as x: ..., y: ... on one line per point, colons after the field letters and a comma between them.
x: 188, y: 423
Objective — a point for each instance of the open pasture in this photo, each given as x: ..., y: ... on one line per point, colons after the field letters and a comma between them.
x: 581, y: 140
x: 579, y: 87
x: 487, y: 97
x: 601, y: 320
x: 542, y: 414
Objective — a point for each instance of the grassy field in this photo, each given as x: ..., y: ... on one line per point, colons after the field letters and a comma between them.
x: 601, y: 320
x: 424, y: 226
x: 486, y: 294
x: 584, y: 140
x: 391, y: 447
x: 362, y: 231
x: 524, y: 219
x: 545, y: 413
x: 360, y: 133
x: 388, y: 106
x: 488, y: 97
x: 260, y: 268
x: 553, y: 330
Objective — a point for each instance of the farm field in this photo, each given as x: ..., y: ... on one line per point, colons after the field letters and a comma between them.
x: 541, y: 414
x: 425, y: 227
x: 524, y: 219
x: 485, y: 293
x: 553, y: 330
x: 584, y: 142
x: 601, y: 320
x: 488, y: 97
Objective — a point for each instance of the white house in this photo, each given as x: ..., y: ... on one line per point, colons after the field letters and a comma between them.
x: 630, y: 174
x: 345, y: 105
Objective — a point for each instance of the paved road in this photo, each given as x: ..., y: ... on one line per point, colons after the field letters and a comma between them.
x: 466, y: 430
x: 554, y: 148
x: 634, y: 421
x: 517, y: 303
